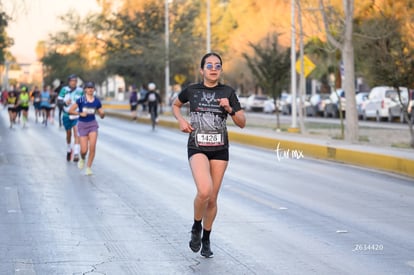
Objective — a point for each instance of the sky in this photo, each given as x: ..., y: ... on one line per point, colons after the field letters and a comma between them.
x: 37, y: 19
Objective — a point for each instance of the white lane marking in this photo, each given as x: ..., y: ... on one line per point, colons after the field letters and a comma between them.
x: 13, y: 202
x: 341, y: 231
x: 410, y: 263
x: 23, y: 267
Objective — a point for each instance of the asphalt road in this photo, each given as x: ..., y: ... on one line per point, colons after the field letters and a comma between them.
x: 278, y: 214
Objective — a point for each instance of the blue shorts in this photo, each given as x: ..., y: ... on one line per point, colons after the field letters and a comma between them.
x: 69, y: 123
x: 36, y: 105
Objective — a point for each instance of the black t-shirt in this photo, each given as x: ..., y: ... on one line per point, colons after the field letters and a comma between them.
x: 206, y: 116
x: 36, y: 96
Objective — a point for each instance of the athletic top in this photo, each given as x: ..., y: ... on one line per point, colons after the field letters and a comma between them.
x: 11, y: 100
x: 44, y: 99
x: 206, y: 116
x: 89, y: 107
x: 133, y: 98
x: 66, y: 89
x: 36, y: 96
x: 70, y: 95
x: 53, y: 98
x: 152, y: 97
x: 24, y: 99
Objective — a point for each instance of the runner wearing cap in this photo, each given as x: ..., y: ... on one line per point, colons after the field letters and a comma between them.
x: 69, y: 94
x: 23, y: 104
x: 85, y: 107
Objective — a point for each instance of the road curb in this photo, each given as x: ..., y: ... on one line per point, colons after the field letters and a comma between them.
x: 293, y: 149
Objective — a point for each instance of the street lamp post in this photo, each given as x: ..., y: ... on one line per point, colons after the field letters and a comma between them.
x: 167, y: 58
x: 292, y: 69
x: 208, y: 33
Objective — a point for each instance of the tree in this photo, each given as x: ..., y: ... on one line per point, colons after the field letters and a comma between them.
x: 389, y: 58
x: 74, y: 51
x: 270, y: 65
x: 5, y: 41
x: 134, y: 45
x: 341, y: 36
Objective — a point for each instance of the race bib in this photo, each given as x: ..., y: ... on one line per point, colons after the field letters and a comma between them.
x: 89, y: 111
x: 72, y: 117
x: 209, y: 138
x: 10, y: 105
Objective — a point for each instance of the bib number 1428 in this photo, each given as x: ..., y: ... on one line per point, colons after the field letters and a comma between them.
x: 209, y: 139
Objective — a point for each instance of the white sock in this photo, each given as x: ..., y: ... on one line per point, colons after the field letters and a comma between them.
x: 69, y: 147
x: 76, y: 149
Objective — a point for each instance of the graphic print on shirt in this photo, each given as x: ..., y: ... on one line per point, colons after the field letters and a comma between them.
x: 207, y: 119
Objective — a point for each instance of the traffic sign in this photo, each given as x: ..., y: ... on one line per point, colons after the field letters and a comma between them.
x: 308, y: 66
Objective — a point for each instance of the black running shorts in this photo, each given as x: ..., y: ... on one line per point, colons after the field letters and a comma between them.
x: 219, y: 155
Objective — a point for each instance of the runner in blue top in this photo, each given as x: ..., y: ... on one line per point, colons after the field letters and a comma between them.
x: 45, y: 104
x: 69, y: 94
x: 86, y: 107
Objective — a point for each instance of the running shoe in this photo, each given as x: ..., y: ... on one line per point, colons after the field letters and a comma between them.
x: 205, y: 250
x: 81, y: 163
x: 68, y: 155
x: 76, y: 158
x: 195, y: 242
x: 88, y: 171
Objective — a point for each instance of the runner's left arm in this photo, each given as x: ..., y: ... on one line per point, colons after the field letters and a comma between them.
x: 100, y: 110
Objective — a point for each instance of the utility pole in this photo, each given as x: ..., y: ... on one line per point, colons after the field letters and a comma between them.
x: 208, y: 38
x: 167, y: 50
x: 293, y: 127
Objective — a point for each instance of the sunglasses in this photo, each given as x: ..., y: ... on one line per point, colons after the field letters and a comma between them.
x: 210, y: 66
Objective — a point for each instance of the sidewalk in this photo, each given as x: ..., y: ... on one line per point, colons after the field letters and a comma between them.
x: 400, y: 161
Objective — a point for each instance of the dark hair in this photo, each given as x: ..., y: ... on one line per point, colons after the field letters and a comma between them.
x: 72, y: 76
x: 203, y: 60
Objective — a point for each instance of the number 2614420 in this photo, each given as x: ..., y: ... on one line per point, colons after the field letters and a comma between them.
x: 368, y: 247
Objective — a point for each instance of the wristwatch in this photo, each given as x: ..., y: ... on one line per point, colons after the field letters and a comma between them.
x: 232, y: 113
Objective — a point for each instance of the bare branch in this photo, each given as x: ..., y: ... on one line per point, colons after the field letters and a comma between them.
x: 329, y: 36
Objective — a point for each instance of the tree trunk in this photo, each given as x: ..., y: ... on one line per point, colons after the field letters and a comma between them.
x: 351, y: 120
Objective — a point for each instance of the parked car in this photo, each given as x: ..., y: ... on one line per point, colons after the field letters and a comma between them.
x: 242, y: 100
x: 315, y: 106
x: 330, y: 105
x: 256, y: 103
x: 383, y: 102
x: 410, y: 108
x: 286, y: 105
x: 361, y: 99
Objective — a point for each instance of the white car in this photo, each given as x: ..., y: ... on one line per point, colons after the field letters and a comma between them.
x: 242, y: 101
x: 330, y: 105
x: 256, y: 103
x: 383, y: 102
